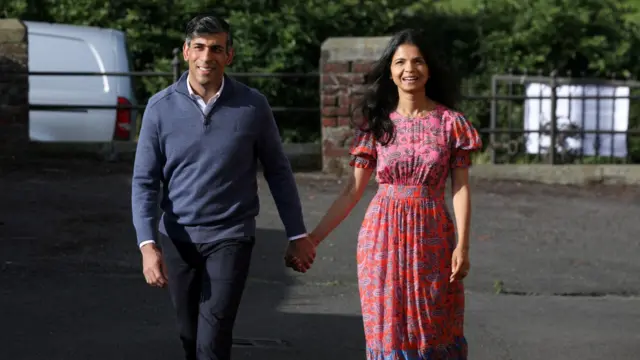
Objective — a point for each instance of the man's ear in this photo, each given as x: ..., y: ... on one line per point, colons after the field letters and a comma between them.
x: 230, y: 56
x: 185, y: 51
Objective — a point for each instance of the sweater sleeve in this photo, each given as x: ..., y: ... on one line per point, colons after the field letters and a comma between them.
x: 147, y: 174
x: 278, y: 173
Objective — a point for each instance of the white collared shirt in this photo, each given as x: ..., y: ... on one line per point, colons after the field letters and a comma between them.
x: 205, y: 107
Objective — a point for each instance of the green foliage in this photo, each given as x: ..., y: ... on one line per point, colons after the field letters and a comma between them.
x: 591, y: 36
x: 288, y: 39
x: 479, y: 37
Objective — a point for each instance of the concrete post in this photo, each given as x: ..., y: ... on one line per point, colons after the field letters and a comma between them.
x: 14, y: 89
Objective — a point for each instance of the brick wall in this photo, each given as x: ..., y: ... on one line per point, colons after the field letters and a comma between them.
x: 14, y: 90
x: 343, y: 65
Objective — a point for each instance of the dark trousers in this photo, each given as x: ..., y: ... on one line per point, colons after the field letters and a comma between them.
x: 206, y: 282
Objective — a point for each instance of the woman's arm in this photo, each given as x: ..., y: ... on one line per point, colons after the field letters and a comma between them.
x: 461, y: 205
x: 462, y: 209
x: 342, y: 206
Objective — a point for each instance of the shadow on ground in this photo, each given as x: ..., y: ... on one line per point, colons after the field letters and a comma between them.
x: 82, y: 311
x: 71, y: 287
x: 287, y: 321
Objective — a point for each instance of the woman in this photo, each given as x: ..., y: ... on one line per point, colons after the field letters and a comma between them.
x: 410, y: 266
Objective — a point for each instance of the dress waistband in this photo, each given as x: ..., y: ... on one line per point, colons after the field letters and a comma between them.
x: 409, y: 191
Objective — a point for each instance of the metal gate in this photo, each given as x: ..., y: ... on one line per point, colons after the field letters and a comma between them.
x: 584, y: 116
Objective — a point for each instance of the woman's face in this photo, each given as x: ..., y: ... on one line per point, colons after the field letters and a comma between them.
x: 409, y: 70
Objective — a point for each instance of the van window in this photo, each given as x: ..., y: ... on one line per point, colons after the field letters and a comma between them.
x: 63, y: 54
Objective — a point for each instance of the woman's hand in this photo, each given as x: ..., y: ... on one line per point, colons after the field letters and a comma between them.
x: 460, y: 264
x: 315, y: 239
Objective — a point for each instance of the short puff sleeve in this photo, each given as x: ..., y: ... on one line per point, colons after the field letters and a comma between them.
x: 363, y: 150
x: 464, y: 140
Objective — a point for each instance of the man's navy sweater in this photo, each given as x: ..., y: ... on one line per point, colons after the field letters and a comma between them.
x: 207, y: 166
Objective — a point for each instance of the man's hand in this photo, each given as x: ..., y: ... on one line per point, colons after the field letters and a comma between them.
x: 153, y: 268
x: 300, y: 254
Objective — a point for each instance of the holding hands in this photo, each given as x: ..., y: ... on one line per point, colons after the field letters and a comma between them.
x: 301, y: 253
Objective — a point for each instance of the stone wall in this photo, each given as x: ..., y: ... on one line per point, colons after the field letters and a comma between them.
x: 14, y: 90
x: 343, y: 65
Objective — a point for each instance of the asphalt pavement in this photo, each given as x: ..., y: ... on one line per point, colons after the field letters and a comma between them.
x: 554, y: 275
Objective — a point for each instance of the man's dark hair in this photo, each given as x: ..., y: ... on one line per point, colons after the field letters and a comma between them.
x: 207, y: 24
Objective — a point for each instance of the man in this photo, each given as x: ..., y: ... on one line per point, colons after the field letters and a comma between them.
x: 201, y: 138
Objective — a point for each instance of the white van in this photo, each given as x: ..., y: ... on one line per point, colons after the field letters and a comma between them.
x: 70, y: 48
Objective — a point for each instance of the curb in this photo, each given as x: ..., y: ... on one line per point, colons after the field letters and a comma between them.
x: 306, y: 159
x: 561, y: 174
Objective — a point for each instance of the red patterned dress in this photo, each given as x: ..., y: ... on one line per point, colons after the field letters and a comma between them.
x: 410, y: 309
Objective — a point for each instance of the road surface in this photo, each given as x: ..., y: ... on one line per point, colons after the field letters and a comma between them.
x: 554, y: 274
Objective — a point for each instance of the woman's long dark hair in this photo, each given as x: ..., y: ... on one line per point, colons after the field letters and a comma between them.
x: 381, y: 96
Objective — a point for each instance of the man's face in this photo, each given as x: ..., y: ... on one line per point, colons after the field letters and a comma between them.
x: 207, y: 56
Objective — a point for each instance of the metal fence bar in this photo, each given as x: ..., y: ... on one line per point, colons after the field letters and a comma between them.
x: 558, y: 131
x: 574, y: 97
x: 59, y: 107
x: 312, y: 74
x: 565, y: 80
x: 52, y: 107
x: 554, y: 119
x: 494, y: 112
x: 96, y: 73
x: 161, y: 74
